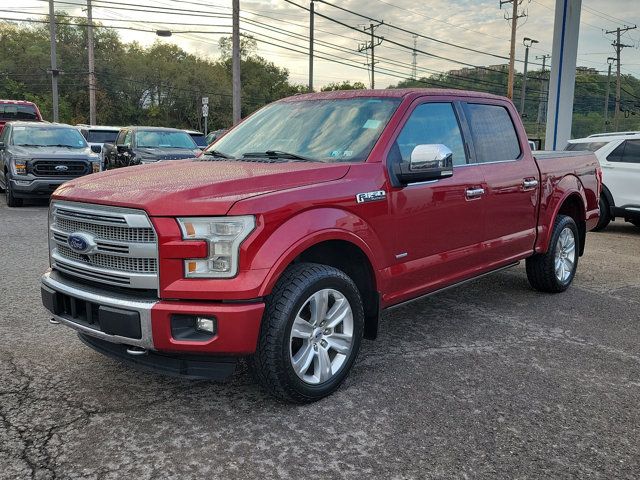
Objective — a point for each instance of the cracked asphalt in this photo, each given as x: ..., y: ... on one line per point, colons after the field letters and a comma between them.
x: 489, y: 380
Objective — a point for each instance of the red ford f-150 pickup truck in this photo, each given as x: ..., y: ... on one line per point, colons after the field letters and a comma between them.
x: 286, y: 240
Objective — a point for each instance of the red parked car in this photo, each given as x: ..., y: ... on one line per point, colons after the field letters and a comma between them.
x: 21, y: 110
x: 286, y: 240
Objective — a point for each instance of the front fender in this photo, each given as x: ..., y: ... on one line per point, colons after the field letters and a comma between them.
x: 309, y: 228
x: 554, y: 195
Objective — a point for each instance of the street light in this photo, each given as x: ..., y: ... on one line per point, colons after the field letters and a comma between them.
x: 163, y: 33
x: 527, y: 42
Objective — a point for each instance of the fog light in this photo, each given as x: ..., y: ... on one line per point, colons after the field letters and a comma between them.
x: 205, y: 324
x: 23, y: 183
x: 95, y: 167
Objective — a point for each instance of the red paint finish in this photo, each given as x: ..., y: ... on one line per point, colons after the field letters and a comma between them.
x: 418, y: 239
x: 238, y: 327
x: 3, y: 121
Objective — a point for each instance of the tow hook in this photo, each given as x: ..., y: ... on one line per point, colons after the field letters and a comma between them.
x: 136, y: 351
x: 53, y: 321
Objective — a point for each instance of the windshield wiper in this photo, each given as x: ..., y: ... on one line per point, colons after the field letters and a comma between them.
x: 278, y: 154
x: 218, y: 154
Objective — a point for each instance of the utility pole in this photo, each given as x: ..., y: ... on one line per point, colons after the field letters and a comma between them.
x: 512, y: 52
x: 311, y: 28
x: 610, y: 60
x: 618, y: 46
x: 54, y: 61
x: 527, y: 42
x: 414, y: 61
x: 543, y: 90
x: 92, y: 68
x: 237, y: 113
x: 371, y: 46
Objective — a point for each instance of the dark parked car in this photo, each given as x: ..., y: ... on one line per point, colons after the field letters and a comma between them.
x: 198, y: 137
x: 36, y: 158
x: 97, y: 136
x: 215, y: 135
x: 140, y: 145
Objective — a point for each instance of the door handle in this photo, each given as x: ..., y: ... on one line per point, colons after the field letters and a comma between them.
x: 529, y: 183
x: 474, y: 192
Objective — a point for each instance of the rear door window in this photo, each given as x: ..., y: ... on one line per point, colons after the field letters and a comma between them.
x: 627, y: 152
x: 493, y: 133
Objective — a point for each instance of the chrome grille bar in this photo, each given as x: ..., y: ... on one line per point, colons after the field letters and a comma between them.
x: 124, y: 248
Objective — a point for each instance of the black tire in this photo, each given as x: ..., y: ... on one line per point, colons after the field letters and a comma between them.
x: 12, y: 201
x: 271, y: 363
x: 636, y: 223
x: 541, y: 270
x: 605, y: 214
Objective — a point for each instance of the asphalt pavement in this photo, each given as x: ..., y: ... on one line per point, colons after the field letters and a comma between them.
x: 489, y: 380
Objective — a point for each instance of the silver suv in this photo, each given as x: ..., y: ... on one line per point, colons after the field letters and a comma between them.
x: 36, y: 158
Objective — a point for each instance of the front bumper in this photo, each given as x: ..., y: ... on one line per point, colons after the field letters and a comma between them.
x: 133, y: 320
x: 35, y: 187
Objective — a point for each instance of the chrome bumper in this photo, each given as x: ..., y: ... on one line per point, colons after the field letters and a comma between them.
x: 55, y: 282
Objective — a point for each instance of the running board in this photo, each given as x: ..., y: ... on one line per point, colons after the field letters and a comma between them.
x: 453, y: 285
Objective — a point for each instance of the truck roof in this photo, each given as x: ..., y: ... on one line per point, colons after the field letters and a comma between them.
x: 17, y: 102
x: 389, y: 93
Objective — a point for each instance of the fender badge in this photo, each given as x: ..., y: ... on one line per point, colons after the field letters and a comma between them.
x: 371, y: 196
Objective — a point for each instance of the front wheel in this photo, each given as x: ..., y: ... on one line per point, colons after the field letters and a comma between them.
x: 310, y: 334
x: 554, y: 270
x: 12, y: 201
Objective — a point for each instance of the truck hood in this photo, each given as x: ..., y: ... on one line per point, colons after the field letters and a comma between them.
x: 58, y: 153
x: 193, y: 187
x: 156, y: 154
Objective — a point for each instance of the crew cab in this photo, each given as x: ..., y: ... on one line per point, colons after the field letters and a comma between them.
x: 18, y: 110
x: 36, y: 158
x: 619, y: 157
x: 290, y: 235
x: 142, y: 145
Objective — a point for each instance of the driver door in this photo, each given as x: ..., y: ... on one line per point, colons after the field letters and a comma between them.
x: 439, y: 224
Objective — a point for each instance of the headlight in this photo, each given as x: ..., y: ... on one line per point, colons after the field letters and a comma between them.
x: 224, y: 235
x: 20, y: 164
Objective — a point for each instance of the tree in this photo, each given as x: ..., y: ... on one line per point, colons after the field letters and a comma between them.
x: 248, y: 47
x: 345, y: 85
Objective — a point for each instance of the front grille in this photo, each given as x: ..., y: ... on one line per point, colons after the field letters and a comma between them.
x: 122, y: 244
x: 59, y: 168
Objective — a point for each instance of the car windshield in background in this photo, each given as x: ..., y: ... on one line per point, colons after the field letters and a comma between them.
x: 43, y: 136
x: 333, y: 130
x: 200, y: 140
x: 160, y: 139
x: 102, y: 136
x: 590, y: 146
x: 17, y: 112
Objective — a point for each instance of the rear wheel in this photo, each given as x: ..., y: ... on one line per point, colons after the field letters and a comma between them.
x: 310, y: 334
x: 636, y: 222
x: 554, y: 270
x: 12, y: 201
x: 605, y: 214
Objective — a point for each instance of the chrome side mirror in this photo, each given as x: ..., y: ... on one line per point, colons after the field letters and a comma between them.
x: 427, y: 162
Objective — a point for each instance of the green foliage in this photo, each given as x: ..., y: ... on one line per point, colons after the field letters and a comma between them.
x: 158, y: 85
x: 345, y: 85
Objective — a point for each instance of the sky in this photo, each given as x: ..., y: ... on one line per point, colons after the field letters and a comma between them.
x: 282, y: 31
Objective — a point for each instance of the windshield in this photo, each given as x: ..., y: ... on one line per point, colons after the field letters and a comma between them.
x: 52, y: 136
x: 590, y: 146
x: 163, y: 139
x: 200, y: 139
x: 102, y: 136
x: 335, y: 130
x: 10, y: 111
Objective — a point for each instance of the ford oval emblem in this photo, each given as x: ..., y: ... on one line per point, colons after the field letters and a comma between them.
x: 61, y: 168
x: 80, y: 242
